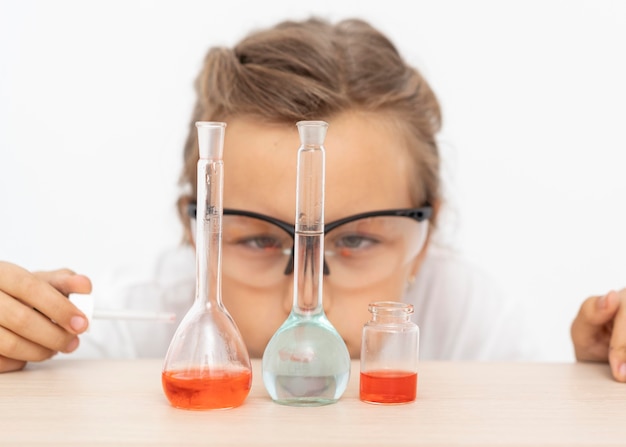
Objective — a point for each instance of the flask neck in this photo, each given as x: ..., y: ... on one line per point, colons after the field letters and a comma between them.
x: 209, y: 233
x: 308, y: 274
x: 309, y: 219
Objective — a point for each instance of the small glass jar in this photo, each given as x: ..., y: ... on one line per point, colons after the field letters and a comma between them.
x: 389, y: 354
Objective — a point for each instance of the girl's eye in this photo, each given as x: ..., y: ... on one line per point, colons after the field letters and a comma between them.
x: 354, y: 242
x: 261, y: 243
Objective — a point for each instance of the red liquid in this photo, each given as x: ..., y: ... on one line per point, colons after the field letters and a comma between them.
x: 206, y: 390
x: 388, y: 387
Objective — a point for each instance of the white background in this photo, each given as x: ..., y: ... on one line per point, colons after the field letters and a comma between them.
x: 95, y: 99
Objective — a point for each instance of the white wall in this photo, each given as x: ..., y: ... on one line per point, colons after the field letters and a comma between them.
x: 95, y: 98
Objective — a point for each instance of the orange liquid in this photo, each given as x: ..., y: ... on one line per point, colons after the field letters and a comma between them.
x: 388, y: 387
x: 205, y: 390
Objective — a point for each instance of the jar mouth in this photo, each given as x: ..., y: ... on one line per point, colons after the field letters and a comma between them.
x: 390, y: 308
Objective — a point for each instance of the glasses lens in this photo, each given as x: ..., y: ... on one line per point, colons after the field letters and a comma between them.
x: 357, y: 253
x: 368, y: 250
x: 254, y: 251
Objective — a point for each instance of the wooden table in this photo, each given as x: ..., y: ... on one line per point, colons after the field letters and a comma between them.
x: 120, y: 402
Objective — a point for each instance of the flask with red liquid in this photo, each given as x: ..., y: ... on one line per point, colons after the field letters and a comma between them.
x: 207, y: 365
x: 389, y: 354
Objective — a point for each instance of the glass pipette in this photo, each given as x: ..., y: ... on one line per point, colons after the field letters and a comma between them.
x: 86, y: 304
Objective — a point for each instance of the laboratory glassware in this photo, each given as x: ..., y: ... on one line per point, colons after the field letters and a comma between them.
x: 306, y: 362
x: 207, y: 365
x: 86, y: 304
x: 389, y: 354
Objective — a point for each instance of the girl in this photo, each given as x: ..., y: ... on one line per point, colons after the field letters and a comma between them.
x: 382, y: 155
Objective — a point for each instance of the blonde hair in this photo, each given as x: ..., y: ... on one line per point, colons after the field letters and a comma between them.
x: 314, y: 69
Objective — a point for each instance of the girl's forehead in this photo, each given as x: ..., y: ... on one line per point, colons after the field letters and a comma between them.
x: 367, y: 167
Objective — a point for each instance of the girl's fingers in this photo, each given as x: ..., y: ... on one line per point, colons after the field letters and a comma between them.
x: 28, y: 324
x: 35, y: 292
x: 617, y: 350
x: 66, y: 281
x: 8, y: 365
x: 598, y: 311
x: 590, y: 330
x: 15, y: 347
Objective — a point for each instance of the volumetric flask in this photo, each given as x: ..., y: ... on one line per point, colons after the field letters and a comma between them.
x: 306, y: 362
x: 207, y: 364
x: 389, y: 354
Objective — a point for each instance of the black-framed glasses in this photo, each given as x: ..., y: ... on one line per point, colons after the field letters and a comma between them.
x: 358, y: 250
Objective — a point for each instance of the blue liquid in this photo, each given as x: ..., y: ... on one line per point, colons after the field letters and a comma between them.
x: 306, y: 363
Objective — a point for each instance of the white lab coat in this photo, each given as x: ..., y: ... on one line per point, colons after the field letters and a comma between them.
x: 464, y: 314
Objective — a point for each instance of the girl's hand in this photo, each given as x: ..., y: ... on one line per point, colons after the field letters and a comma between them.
x: 599, y: 332
x: 36, y: 318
